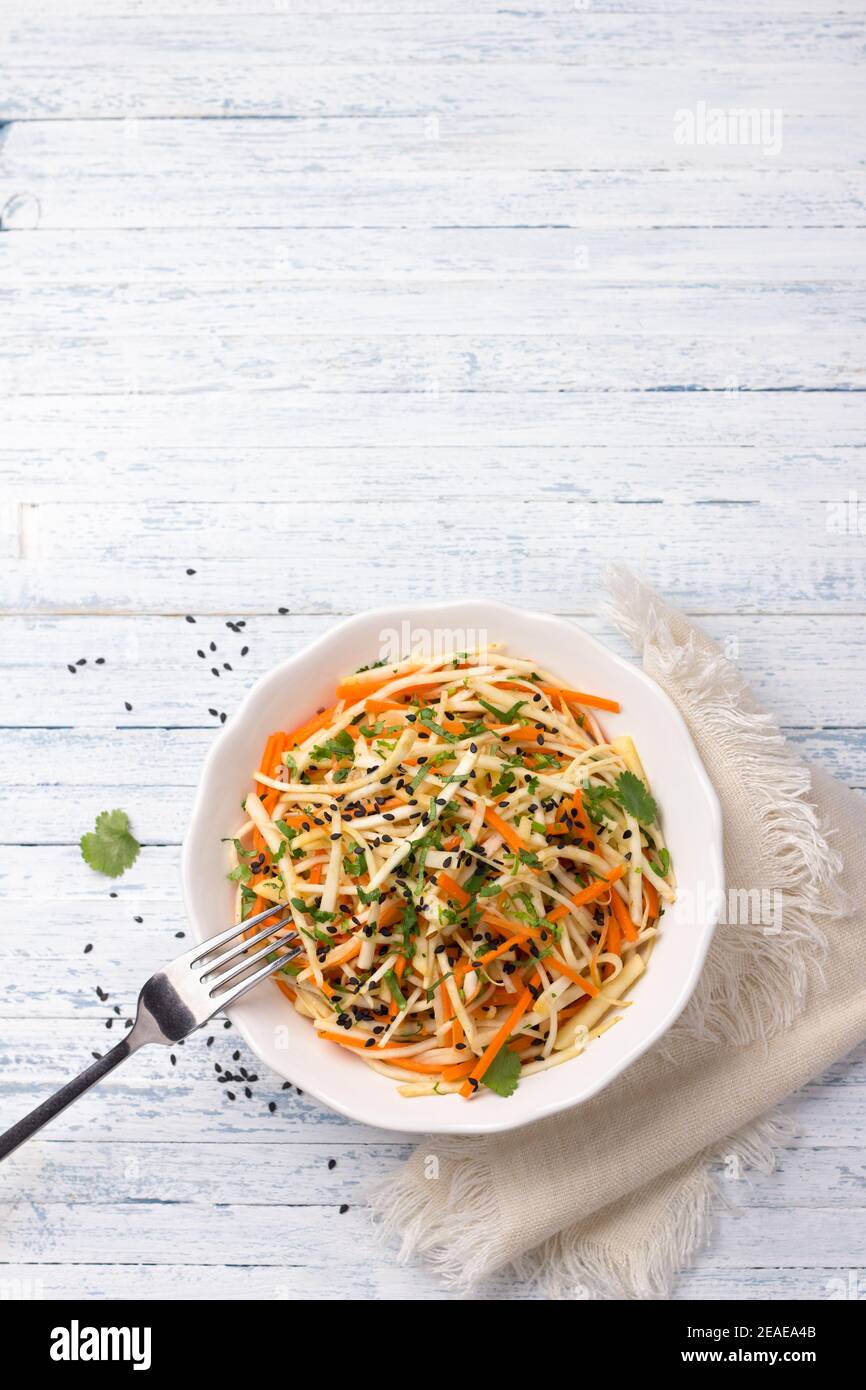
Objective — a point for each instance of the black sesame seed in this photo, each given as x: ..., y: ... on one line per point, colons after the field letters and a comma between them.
x: 138, y: 919
x: 272, y: 1105
x: 231, y: 1095
x: 173, y: 1059
x: 71, y: 669
x: 332, y: 1163
x: 190, y: 618
x: 244, y: 651
x: 344, y: 1208
x: 127, y: 706
x: 88, y: 948
x: 100, y: 661
x: 190, y: 571
x: 284, y: 611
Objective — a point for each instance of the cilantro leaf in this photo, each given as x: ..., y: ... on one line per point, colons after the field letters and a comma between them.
x: 663, y: 863
x: 340, y: 747
x: 110, y: 848
x: 635, y: 798
x: 503, y: 1073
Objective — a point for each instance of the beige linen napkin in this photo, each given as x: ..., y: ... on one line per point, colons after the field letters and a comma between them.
x: 612, y: 1198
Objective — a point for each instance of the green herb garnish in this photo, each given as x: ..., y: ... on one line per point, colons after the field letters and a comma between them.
x: 110, y: 848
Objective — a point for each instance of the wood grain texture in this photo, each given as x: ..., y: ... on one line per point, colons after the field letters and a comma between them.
x: 334, y: 303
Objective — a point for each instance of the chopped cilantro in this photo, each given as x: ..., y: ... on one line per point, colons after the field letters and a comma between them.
x: 341, y: 746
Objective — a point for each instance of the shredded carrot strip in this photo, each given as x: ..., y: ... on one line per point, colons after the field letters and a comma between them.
x: 562, y: 968
x: 500, y: 1037
x: 623, y: 917
x: 383, y: 706
x: 581, y: 820
x: 508, y: 833
x: 574, y: 697
x: 589, y: 894
x: 504, y: 946
x: 458, y: 1070
x: 652, y: 898
x: 452, y: 889
x: 364, y: 684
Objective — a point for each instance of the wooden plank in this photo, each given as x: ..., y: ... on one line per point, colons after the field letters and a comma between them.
x: 206, y: 258
x: 194, y: 366
x: 380, y: 1280
x: 621, y: 468
x: 253, y: 9
x: 805, y: 669
x: 686, y: 419
x: 65, y: 1172
x: 375, y: 1277
x: 381, y: 307
x: 147, y: 1232
x: 626, y: 198
x: 129, y: 43
x: 235, y: 1172
x: 116, y: 556
x: 66, y: 160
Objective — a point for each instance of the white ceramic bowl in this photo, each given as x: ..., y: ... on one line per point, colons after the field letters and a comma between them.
x: 690, y: 811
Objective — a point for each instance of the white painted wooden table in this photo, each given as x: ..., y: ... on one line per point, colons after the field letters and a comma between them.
x: 312, y: 304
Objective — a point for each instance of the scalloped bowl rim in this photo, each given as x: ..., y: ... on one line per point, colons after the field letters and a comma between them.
x: 693, y: 828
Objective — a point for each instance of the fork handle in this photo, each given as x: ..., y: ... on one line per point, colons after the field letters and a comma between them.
x: 28, y: 1126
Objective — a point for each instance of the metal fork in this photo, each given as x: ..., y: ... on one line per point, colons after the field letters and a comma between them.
x: 174, y: 1003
